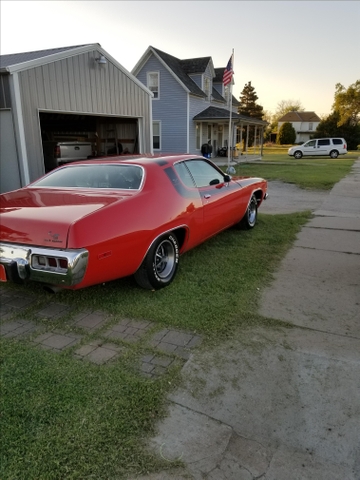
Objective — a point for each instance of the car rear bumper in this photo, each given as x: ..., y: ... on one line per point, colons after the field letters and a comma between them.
x: 55, y: 267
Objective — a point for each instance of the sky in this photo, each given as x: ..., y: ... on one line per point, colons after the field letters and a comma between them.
x: 288, y: 50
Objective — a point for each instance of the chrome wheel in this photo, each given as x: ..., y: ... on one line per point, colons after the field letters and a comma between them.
x: 164, y: 259
x: 160, y: 264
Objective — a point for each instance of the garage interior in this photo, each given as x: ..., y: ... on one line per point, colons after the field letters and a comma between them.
x: 107, y: 135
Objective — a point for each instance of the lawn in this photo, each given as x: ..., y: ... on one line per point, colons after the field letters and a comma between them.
x: 66, y: 419
x: 310, y: 173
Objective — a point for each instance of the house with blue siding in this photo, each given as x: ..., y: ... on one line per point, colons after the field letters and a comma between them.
x: 190, y: 105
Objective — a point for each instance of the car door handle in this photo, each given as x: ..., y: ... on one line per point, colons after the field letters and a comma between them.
x: 207, y: 196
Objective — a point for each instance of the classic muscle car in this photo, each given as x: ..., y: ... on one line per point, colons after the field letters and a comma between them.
x: 95, y: 221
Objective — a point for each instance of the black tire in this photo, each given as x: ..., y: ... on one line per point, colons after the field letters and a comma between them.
x: 249, y: 219
x: 334, y: 154
x: 159, y: 267
x: 298, y: 154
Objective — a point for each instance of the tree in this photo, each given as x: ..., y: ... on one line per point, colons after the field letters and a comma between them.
x: 285, y: 106
x: 286, y: 135
x: 347, y: 103
x: 248, y: 105
x: 329, y: 127
x: 249, y: 108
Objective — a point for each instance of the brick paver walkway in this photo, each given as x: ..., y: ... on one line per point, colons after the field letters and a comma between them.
x: 164, y: 348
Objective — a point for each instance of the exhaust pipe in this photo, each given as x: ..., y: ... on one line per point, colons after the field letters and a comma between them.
x: 52, y: 289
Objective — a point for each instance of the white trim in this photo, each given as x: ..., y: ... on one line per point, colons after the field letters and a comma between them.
x: 20, y: 132
x: 151, y: 127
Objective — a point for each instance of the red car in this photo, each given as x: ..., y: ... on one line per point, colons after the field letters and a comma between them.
x: 98, y: 220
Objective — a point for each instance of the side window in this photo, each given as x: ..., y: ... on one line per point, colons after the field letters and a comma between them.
x: 203, y: 173
x: 311, y: 143
x: 156, y: 135
x: 337, y: 141
x: 325, y: 141
x: 184, y: 174
x: 153, y: 83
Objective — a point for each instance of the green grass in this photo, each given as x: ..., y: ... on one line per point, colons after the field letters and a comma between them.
x: 309, y: 173
x: 66, y: 419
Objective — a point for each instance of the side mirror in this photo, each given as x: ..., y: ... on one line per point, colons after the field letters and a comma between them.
x: 227, y: 178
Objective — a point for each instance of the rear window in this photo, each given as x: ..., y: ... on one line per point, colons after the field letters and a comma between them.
x: 325, y: 141
x: 337, y: 141
x: 94, y: 176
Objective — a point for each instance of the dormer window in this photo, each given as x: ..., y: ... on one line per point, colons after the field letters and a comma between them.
x: 153, y: 83
x: 227, y: 94
x: 207, y: 88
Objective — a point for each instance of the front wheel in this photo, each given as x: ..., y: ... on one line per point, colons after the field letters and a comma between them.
x: 334, y: 154
x: 160, y: 264
x: 249, y: 219
x: 298, y: 154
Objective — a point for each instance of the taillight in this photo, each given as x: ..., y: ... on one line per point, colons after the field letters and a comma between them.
x: 57, y: 151
x: 42, y: 262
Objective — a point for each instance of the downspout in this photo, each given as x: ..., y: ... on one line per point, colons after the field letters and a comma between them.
x: 188, y: 124
x: 19, y: 131
x: 151, y: 126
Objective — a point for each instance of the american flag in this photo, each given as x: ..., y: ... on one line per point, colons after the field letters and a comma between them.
x: 228, y: 72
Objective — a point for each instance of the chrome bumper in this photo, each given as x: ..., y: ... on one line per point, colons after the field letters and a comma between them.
x: 22, y: 263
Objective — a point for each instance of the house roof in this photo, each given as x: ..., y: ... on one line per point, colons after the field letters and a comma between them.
x: 180, y: 68
x: 215, y: 113
x: 300, y: 117
x: 183, y: 69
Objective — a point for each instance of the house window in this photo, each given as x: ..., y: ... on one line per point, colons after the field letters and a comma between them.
x: 156, y: 135
x: 153, y: 83
x: 227, y: 93
x: 198, y: 135
x: 310, y: 126
x: 207, y: 88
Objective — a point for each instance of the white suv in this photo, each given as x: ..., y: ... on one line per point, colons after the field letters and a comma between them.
x: 332, y: 147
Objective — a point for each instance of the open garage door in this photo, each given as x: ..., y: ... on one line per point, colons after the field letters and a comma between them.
x: 106, y: 135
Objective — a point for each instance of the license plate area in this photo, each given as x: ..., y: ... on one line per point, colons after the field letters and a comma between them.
x: 3, y: 277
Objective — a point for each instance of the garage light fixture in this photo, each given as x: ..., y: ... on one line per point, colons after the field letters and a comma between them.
x: 101, y: 60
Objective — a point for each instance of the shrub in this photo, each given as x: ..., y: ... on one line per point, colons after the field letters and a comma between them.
x: 287, y: 134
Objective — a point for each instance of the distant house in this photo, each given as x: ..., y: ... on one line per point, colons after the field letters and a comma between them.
x: 190, y: 106
x: 304, y: 123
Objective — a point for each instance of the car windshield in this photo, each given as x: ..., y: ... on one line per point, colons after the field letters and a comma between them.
x: 94, y: 176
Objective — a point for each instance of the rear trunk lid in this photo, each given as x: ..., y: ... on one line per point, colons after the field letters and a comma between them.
x: 43, y: 217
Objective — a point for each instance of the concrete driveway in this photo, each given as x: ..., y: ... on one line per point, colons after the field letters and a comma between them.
x: 283, y: 403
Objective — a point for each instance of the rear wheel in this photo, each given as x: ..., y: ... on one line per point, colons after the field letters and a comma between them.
x: 249, y: 219
x: 160, y: 264
x: 334, y: 154
x: 298, y: 154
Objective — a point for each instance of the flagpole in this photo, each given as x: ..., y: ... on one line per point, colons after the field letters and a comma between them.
x: 230, y: 116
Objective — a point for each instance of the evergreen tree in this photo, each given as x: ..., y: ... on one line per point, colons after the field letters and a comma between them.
x: 249, y: 108
x: 248, y: 105
x: 286, y: 135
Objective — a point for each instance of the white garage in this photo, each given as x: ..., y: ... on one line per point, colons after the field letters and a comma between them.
x: 76, y: 94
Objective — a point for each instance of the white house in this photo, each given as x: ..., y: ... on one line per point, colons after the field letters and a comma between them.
x: 304, y: 123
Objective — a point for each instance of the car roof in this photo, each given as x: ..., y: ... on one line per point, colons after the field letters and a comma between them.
x: 142, y: 160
